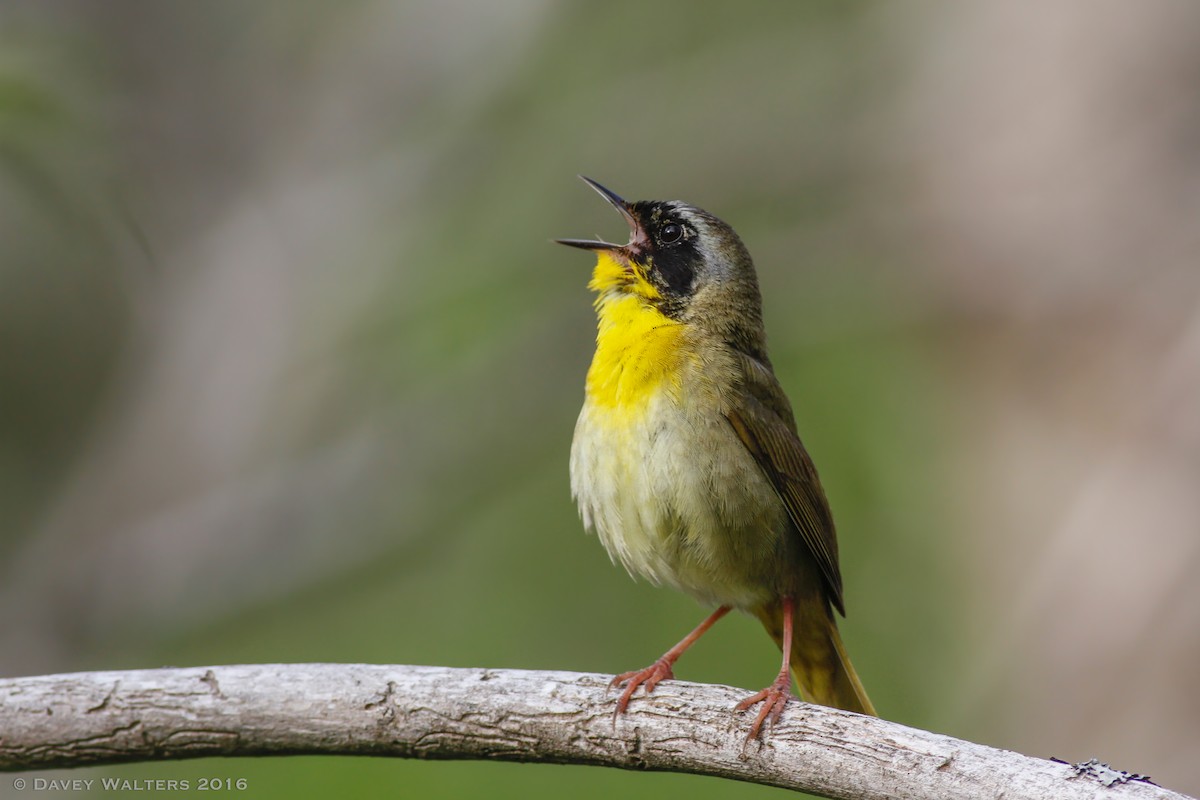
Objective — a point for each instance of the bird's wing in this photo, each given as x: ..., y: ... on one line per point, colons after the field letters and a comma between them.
x: 764, y: 424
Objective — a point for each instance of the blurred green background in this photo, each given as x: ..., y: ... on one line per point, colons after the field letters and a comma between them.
x: 289, y: 368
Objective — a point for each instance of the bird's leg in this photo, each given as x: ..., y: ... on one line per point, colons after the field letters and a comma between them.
x: 774, y: 698
x: 661, y: 669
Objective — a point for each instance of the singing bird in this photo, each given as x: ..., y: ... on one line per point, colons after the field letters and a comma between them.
x: 686, y: 461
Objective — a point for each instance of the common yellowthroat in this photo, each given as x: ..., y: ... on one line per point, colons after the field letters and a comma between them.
x: 686, y: 461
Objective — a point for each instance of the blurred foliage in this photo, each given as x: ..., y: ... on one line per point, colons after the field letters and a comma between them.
x: 62, y: 314
x: 288, y: 368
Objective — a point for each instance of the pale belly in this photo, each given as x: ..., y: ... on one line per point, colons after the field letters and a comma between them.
x: 664, y: 503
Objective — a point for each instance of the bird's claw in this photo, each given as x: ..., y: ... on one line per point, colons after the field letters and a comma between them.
x: 774, y: 699
x: 649, y: 677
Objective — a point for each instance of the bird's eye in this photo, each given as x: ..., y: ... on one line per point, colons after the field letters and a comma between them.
x: 671, y: 232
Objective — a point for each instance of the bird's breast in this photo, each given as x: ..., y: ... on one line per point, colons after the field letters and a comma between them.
x: 659, y: 473
x: 639, y: 352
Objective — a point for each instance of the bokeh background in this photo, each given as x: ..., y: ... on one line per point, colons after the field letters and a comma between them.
x: 288, y: 367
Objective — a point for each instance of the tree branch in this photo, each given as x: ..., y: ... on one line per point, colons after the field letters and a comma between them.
x: 512, y: 715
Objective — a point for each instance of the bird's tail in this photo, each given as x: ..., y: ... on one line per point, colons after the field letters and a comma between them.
x: 819, y: 661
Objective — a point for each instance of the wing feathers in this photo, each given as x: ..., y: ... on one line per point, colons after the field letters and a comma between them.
x: 777, y: 448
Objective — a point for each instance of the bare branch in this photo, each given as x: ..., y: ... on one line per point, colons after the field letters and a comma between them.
x: 513, y: 715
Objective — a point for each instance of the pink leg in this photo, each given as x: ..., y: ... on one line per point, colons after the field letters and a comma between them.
x: 661, y: 669
x: 774, y: 698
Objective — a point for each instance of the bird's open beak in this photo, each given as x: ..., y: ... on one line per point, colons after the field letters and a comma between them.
x: 620, y: 205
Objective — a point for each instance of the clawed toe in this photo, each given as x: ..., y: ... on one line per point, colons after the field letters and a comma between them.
x: 774, y: 699
x: 648, y: 677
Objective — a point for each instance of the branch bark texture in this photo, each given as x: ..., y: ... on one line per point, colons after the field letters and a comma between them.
x: 91, y: 718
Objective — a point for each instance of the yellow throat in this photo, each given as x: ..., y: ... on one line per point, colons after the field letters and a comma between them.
x: 638, y: 348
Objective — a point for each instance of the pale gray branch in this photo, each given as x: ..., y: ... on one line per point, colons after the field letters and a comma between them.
x: 513, y: 715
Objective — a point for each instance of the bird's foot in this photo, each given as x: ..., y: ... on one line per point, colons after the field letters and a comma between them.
x: 649, y: 677
x: 774, y: 699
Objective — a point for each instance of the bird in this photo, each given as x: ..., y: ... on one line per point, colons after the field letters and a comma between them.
x: 686, y: 462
